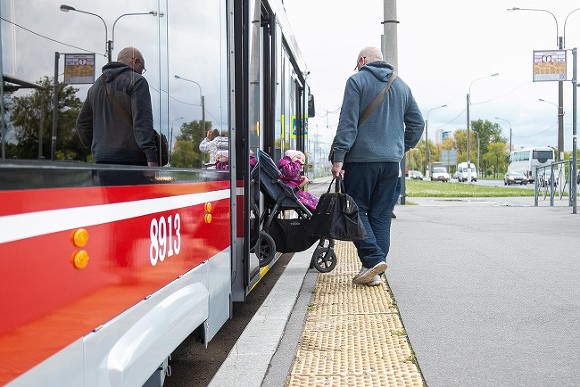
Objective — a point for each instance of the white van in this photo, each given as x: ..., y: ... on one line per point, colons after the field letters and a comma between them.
x: 463, y: 172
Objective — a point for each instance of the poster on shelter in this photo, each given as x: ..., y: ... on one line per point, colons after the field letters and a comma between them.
x: 550, y: 65
x: 79, y: 69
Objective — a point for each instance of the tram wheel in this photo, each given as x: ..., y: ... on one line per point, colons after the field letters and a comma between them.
x: 324, y: 257
x: 266, y: 248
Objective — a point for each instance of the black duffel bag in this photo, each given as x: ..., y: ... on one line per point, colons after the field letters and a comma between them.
x: 336, y: 216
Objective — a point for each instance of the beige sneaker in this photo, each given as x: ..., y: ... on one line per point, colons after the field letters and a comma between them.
x: 366, y: 275
x: 376, y: 281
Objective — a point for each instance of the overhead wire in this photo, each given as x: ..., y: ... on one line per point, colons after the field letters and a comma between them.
x: 46, y: 37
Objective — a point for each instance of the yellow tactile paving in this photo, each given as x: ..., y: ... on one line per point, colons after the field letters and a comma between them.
x: 353, y: 334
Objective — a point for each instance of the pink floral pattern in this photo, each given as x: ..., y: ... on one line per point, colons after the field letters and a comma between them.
x: 291, y: 175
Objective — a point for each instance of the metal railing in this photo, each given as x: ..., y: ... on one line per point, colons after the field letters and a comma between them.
x: 556, y: 181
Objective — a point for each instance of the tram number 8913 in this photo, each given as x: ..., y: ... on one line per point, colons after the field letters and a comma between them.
x: 165, y: 235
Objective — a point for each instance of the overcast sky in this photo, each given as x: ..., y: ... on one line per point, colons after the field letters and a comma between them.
x: 444, y: 47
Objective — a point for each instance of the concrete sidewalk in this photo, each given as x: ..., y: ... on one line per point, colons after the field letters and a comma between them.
x: 488, y: 291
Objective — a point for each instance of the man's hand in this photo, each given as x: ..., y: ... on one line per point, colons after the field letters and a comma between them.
x: 152, y: 164
x: 337, y: 169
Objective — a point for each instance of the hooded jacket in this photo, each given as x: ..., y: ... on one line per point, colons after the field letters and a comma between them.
x: 395, y: 126
x: 116, y: 120
x: 211, y: 147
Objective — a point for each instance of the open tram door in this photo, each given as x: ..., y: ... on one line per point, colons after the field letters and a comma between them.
x: 271, y: 104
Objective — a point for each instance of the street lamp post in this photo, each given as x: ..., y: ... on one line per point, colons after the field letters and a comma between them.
x: 427, y: 165
x: 202, y: 101
x: 557, y: 109
x: 108, y: 43
x: 469, y: 166
x: 510, y: 125
x: 560, y: 42
x: 468, y: 125
x: 551, y: 103
x: 66, y: 8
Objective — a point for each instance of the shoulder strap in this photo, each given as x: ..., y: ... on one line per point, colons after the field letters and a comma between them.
x: 378, y: 99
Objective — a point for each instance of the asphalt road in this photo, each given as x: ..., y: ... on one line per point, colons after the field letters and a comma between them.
x: 500, y: 183
x: 488, y: 290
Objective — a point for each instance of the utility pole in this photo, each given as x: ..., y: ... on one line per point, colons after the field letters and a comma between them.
x: 389, y: 41
x: 390, y: 55
x: 54, y: 108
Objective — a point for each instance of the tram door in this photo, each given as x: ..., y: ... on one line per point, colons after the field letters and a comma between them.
x: 248, y: 78
x: 262, y: 251
x: 270, y: 93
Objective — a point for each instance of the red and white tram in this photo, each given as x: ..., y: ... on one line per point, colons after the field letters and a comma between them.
x: 106, y: 269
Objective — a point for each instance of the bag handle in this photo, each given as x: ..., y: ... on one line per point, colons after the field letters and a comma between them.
x: 338, y: 185
x: 376, y: 102
x: 330, y: 185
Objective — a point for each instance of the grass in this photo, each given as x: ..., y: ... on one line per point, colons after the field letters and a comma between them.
x: 425, y: 188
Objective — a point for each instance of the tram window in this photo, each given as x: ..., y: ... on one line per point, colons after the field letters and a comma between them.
x: 175, y: 38
x: 286, y: 134
x: 311, y: 110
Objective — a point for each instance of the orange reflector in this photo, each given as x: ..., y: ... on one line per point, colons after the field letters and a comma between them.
x: 208, y: 207
x: 80, y: 237
x: 80, y: 259
x: 207, y: 218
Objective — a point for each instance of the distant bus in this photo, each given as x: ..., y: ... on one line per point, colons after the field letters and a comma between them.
x: 528, y: 159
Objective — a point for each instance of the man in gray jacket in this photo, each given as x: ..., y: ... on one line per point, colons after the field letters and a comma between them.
x: 116, y: 120
x: 368, y: 155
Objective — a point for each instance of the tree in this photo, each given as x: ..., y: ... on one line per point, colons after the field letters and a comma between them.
x: 32, y: 115
x: 415, y: 158
x: 182, y: 154
x: 461, y: 141
x: 4, y: 128
x: 186, y: 153
x: 448, y: 143
x: 489, y: 133
x: 496, y: 156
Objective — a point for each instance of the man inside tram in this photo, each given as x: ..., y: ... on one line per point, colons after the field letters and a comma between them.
x: 116, y: 120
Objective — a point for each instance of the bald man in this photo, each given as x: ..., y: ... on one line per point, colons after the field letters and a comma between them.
x: 116, y: 120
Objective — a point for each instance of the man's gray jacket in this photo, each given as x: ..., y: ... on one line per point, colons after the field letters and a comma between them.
x: 395, y: 126
x: 116, y: 120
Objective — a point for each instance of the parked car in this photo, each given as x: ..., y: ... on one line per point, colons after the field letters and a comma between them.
x: 440, y: 174
x: 515, y: 177
x: 546, y: 178
x: 415, y: 175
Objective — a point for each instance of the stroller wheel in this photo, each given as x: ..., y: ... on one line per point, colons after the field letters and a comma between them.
x: 266, y: 248
x: 324, y: 257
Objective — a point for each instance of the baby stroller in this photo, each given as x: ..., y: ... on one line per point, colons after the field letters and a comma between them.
x: 280, y: 234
